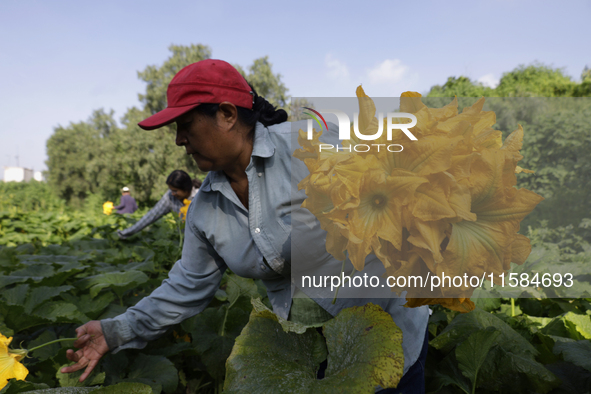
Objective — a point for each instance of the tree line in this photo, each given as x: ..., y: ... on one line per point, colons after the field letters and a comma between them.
x: 555, y: 113
x: 97, y: 157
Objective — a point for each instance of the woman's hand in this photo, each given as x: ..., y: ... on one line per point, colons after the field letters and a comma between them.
x: 92, y: 345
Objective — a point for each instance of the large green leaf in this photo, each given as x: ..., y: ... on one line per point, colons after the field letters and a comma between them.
x: 46, y: 351
x: 447, y: 373
x: 364, y: 341
x: 364, y: 350
x: 60, y: 311
x: 507, y: 372
x: 36, y: 272
x: 574, y: 379
x: 156, y: 370
x: 472, y: 353
x: 120, y: 282
x: 92, y: 307
x: 569, y: 325
x: 20, y: 386
x: 16, y: 295
x: 16, y: 319
x: 41, y: 294
x: 578, y: 353
x: 487, y: 304
x: 465, y: 324
x: 8, y: 332
x: 71, y: 379
x: 6, y: 280
x: 579, y: 323
x: 238, y: 286
x: 124, y: 388
x: 214, y: 331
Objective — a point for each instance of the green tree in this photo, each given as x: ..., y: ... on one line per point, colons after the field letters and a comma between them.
x: 584, y: 88
x: 157, y: 78
x: 556, y: 139
x: 72, y: 152
x: 267, y: 84
x: 460, y: 87
x: 535, y: 80
x: 98, y: 157
x: 556, y: 146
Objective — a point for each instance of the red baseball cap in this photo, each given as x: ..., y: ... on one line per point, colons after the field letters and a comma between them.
x: 209, y: 81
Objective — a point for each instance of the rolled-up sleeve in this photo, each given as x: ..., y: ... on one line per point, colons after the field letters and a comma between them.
x: 190, y: 287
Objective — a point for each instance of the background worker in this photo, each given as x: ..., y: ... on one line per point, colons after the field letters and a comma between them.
x: 127, y: 203
x: 181, y: 187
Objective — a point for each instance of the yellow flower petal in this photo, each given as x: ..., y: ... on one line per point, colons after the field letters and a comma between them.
x: 107, y: 208
x: 184, y: 209
x: 411, y: 102
x: 10, y: 367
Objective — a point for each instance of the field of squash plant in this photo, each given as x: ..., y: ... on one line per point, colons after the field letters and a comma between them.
x: 61, y: 268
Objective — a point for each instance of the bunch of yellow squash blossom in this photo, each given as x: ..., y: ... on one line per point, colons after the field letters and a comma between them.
x: 446, y: 203
x: 184, y: 209
x: 108, y: 208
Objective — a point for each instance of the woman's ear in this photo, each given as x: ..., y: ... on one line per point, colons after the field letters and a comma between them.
x: 227, y: 114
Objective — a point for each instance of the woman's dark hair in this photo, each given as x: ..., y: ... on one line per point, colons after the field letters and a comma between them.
x: 262, y: 111
x: 181, y: 180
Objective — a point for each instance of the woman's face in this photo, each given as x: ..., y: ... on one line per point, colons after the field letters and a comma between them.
x: 179, y: 194
x: 214, y: 142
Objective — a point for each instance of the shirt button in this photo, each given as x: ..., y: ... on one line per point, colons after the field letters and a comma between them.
x: 257, y: 230
x: 260, y: 174
x: 263, y: 267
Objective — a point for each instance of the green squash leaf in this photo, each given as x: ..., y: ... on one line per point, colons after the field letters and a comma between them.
x: 472, y: 353
x: 465, y: 324
x: 20, y: 386
x: 578, y: 353
x: 214, y: 331
x: 120, y: 282
x: 238, y: 286
x: 363, y: 345
x: 154, y: 370
x: 60, y: 311
x: 71, y: 379
x: 125, y: 388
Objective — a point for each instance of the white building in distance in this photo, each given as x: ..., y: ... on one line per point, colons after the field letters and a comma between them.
x: 20, y: 174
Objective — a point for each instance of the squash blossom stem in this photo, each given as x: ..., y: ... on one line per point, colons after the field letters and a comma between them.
x: 52, y: 342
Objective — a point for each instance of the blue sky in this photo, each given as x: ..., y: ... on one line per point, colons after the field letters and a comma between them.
x: 60, y: 60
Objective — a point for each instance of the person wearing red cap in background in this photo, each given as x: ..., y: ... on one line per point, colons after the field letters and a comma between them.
x: 241, y: 219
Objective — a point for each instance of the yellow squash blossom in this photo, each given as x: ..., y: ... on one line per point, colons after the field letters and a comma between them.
x: 184, y: 208
x: 447, y: 203
x: 10, y: 367
x: 108, y: 208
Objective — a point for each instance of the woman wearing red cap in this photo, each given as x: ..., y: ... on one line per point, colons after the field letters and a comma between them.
x: 247, y: 217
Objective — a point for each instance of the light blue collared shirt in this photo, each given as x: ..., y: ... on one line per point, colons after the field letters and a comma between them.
x: 260, y: 242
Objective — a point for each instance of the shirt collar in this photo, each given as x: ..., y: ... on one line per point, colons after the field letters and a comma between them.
x: 262, y: 147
